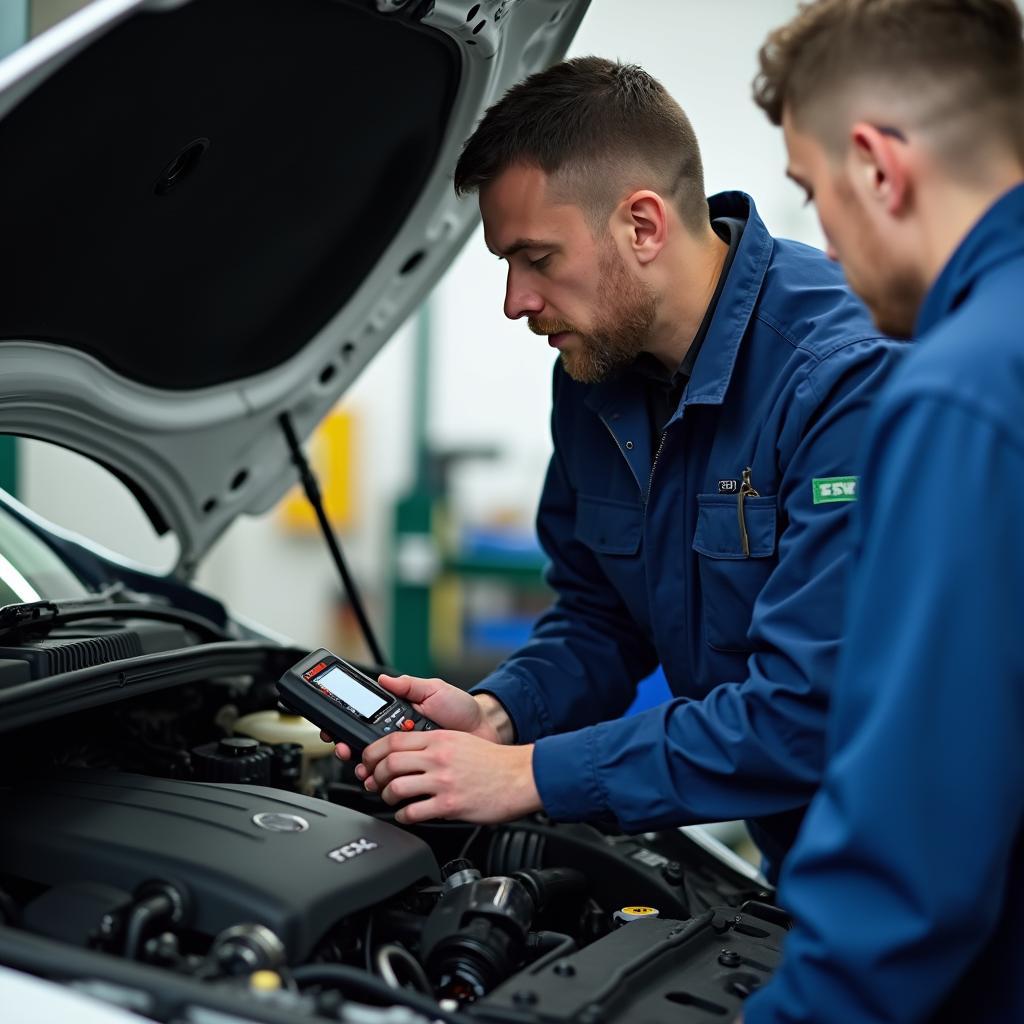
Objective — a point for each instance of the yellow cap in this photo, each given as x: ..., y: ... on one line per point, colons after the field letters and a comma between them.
x: 627, y: 914
x: 265, y: 981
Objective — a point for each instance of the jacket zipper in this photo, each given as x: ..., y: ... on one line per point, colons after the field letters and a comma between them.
x: 654, y: 466
x: 746, y: 491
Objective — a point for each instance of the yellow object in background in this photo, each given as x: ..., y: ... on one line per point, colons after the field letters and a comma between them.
x: 332, y: 456
x: 446, y: 611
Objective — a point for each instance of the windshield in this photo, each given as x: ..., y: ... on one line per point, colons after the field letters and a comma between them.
x: 29, y: 569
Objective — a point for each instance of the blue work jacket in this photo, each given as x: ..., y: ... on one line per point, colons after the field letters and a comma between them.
x: 907, y: 882
x: 649, y: 565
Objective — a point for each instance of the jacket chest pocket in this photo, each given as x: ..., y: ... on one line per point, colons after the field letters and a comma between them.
x: 730, y: 579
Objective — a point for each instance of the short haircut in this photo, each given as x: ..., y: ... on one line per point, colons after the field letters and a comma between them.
x: 959, y: 64
x: 600, y: 128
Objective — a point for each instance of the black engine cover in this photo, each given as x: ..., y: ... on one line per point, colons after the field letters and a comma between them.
x: 238, y: 853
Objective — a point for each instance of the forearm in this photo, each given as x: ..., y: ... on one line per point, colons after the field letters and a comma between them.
x: 496, y: 717
x: 572, y: 673
x: 586, y: 653
x: 688, y: 762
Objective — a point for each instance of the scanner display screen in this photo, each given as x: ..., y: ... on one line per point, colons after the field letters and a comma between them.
x: 353, y: 693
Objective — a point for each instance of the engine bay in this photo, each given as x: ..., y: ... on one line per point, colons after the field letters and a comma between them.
x: 194, y: 846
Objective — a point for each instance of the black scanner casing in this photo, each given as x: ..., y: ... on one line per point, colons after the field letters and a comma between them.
x: 300, y: 696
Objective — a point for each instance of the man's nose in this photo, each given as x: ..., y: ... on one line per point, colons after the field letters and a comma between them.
x: 520, y: 301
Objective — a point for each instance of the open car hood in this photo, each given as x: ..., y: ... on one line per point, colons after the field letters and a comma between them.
x: 213, y: 212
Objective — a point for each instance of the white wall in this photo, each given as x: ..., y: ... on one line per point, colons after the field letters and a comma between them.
x: 489, y: 378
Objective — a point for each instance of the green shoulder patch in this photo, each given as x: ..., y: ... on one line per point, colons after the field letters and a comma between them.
x: 834, y: 488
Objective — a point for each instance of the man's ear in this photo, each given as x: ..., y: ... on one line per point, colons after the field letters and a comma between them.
x: 881, y: 166
x: 640, y: 221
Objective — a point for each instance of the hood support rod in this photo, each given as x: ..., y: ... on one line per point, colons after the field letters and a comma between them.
x: 312, y: 489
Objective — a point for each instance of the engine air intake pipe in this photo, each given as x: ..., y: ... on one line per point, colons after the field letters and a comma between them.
x: 477, y: 933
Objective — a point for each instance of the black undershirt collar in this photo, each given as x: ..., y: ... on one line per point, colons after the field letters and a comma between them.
x: 664, y: 391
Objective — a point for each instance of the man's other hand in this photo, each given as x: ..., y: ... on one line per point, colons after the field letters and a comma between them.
x: 444, y: 704
x: 451, y: 775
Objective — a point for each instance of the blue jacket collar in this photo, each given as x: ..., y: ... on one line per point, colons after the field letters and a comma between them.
x: 713, y: 369
x: 997, y: 236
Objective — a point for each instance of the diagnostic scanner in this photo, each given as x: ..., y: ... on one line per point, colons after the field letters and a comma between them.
x: 346, y: 703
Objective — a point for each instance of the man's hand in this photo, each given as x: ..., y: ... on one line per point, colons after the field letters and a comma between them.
x: 446, y: 705
x: 456, y: 775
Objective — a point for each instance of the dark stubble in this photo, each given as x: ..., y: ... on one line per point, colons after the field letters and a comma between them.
x: 622, y: 323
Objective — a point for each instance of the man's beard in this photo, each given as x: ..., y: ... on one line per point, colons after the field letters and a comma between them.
x: 622, y: 324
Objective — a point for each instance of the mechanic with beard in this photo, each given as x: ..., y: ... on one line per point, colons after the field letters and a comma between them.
x: 708, y: 404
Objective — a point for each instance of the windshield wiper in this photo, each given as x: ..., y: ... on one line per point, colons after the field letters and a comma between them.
x: 37, y: 618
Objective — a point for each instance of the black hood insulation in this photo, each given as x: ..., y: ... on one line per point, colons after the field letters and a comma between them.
x: 194, y: 196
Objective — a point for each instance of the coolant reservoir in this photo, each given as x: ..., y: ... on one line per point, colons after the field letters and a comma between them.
x: 273, y: 727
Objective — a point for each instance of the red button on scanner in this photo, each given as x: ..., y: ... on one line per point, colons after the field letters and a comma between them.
x: 408, y: 725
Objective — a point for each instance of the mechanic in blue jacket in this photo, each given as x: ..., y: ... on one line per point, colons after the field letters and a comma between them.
x: 905, y: 121
x: 708, y: 404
